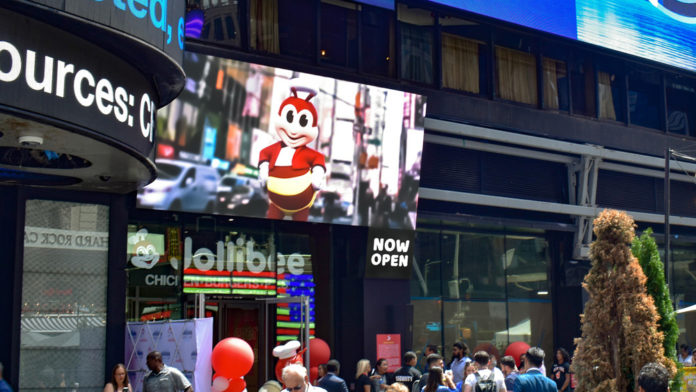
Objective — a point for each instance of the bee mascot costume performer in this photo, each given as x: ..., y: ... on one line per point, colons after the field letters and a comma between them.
x: 291, y: 171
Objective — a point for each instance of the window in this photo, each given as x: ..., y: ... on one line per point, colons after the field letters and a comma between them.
x: 297, y: 21
x: 610, y: 93
x: 516, y: 75
x: 221, y: 21
x: 555, y: 84
x: 494, y: 288
x: 282, y: 26
x: 681, y: 113
x: 263, y: 26
x: 644, y: 99
x: 583, y: 87
x: 63, y: 322
x: 416, y: 28
x: 152, y: 265
x: 339, y: 33
x: 378, y: 35
x: 463, y: 55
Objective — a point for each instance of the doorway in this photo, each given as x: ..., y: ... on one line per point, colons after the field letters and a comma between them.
x: 245, y: 320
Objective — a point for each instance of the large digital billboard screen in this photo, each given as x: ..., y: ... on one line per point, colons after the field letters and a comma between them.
x: 250, y: 140
x: 659, y: 30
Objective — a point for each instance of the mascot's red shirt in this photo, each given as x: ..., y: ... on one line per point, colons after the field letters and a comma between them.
x: 290, y: 177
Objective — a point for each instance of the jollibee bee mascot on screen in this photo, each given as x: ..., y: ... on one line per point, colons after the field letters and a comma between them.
x: 292, y: 172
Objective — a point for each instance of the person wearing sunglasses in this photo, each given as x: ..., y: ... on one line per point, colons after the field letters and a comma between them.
x: 295, y: 379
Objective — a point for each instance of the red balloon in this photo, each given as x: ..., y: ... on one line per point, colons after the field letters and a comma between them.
x: 515, y: 349
x: 236, y: 385
x: 319, y: 352
x: 232, y: 358
x: 313, y: 374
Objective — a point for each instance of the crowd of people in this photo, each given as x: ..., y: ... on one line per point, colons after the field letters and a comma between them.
x: 479, y: 373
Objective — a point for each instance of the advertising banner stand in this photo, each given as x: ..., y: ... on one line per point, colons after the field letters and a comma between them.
x: 184, y: 344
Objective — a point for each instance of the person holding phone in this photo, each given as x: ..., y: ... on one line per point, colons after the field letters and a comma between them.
x: 119, y: 380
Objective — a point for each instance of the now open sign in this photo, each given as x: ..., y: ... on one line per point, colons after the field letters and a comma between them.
x: 389, y: 254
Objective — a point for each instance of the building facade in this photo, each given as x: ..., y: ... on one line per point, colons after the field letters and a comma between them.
x: 530, y: 130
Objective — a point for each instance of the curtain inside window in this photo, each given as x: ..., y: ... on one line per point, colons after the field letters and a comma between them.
x: 517, y: 79
x: 417, y: 53
x: 553, y: 71
x: 264, y: 26
x: 460, y: 63
x: 606, y: 99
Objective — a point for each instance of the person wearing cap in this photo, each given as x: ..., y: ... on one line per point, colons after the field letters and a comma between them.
x: 295, y: 379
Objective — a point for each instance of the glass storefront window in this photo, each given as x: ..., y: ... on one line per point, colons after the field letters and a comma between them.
x: 683, y: 271
x: 481, y: 288
x: 154, y: 281
x: 63, y: 323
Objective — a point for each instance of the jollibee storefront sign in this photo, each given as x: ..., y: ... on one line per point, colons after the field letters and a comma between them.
x: 241, y: 255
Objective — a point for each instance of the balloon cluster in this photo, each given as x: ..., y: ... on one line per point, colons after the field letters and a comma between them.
x: 232, y: 358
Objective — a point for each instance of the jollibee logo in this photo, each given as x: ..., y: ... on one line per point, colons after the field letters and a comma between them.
x: 681, y: 10
x: 146, y: 255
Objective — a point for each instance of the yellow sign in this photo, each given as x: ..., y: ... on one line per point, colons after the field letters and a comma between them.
x: 689, y: 384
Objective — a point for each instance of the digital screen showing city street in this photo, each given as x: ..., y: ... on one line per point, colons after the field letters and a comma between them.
x: 357, y: 161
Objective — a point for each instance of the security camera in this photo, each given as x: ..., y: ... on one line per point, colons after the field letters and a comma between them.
x: 105, y: 178
x: 30, y: 140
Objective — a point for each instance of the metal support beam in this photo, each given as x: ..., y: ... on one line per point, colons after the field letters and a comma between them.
x: 542, y: 206
x: 556, y: 146
x: 586, y: 173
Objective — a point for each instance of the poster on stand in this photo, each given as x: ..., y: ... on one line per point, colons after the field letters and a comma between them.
x: 184, y: 344
x: 389, y: 348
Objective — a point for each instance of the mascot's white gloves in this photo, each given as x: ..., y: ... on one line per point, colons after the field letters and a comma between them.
x: 263, y: 174
x: 318, y: 177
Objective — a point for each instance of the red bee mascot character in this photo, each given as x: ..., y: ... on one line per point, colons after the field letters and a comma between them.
x: 293, y: 172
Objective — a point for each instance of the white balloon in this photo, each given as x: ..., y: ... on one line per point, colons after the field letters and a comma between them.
x: 220, y: 384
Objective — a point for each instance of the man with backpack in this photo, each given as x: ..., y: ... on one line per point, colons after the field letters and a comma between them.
x: 484, y: 379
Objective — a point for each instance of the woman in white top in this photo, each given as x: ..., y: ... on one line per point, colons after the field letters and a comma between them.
x: 685, y: 355
x: 119, y: 380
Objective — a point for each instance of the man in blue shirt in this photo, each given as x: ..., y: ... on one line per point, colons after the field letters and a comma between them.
x: 460, y: 352
x: 4, y: 386
x: 533, y: 380
x: 331, y: 382
x: 507, y: 365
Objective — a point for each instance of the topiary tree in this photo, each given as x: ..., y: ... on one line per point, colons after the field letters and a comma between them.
x: 645, y: 249
x: 619, y: 326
